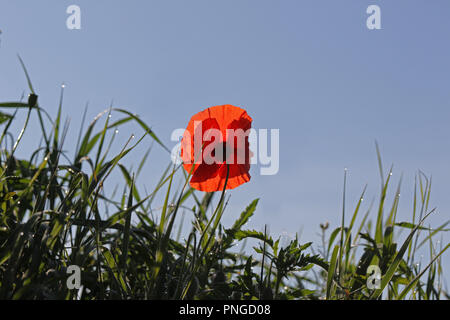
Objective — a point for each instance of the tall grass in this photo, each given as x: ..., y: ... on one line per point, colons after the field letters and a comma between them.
x: 55, y: 213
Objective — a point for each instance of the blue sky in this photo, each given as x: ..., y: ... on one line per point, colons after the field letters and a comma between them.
x: 309, y: 68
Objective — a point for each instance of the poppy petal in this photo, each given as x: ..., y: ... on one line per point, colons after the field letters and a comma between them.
x: 206, y: 178
x: 212, y: 177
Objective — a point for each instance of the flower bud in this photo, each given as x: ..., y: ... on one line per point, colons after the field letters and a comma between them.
x: 32, y: 100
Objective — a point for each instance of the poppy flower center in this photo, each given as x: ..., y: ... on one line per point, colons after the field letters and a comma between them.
x: 221, y: 152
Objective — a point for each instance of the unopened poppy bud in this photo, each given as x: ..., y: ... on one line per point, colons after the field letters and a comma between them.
x: 32, y: 100
x: 324, y: 226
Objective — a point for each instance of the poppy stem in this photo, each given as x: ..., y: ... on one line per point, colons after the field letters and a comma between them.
x: 216, y: 216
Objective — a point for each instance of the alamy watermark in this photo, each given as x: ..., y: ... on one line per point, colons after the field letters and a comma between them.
x: 73, y: 21
x: 374, y: 277
x: 235, y: 146
x: 373, y: 22
x: 74, y: 280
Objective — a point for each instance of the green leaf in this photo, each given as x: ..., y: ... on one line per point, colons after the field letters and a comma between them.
x: 242, y: 234
x: 409, y: 225
x: 398, y: 258
x: 405, y: 291
x: 332, y: 270
x: 4, y: 117
x: 245, y: 215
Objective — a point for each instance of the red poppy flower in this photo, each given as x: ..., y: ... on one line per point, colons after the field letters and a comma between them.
x: 214, y: 142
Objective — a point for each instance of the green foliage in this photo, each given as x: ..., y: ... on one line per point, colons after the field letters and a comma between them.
x: 55, y: 213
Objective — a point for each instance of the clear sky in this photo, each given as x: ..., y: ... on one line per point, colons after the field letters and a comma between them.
x: 309, y: 68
